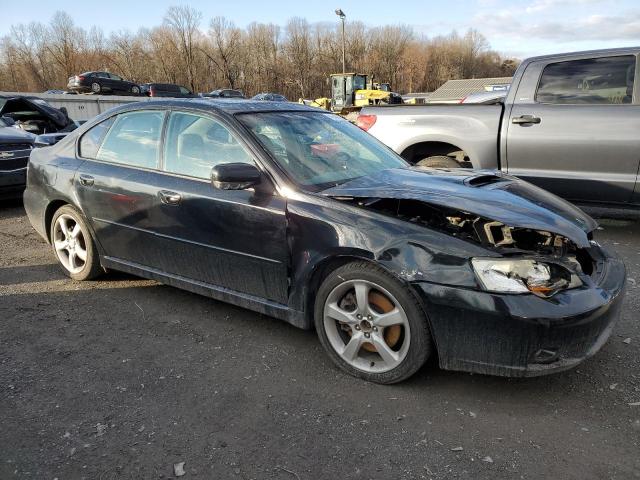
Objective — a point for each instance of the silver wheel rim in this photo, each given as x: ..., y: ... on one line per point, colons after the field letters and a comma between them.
x: 95, y: 87
x: 359, y: 332
x: 69, y: 243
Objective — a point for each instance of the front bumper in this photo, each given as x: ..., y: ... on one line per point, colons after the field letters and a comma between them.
x: 524, y: 335
x: 12, y: 183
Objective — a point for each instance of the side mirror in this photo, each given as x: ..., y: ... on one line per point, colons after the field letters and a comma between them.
x: 8, y: 121
x: 235, y: 176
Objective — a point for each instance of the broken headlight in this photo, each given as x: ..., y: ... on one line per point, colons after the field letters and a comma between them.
x: 523, y: 276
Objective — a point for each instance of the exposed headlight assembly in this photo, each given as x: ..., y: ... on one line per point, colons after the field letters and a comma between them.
x: 523, y: 276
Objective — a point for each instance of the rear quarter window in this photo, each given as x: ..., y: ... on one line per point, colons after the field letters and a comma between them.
x: 91, y: 141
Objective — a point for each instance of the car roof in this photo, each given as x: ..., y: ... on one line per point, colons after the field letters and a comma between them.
x: 230, y: 106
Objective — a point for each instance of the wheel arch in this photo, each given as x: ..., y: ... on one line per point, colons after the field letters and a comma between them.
x: 49, y: 212
x: 420, y: 150
x: 329, y: 264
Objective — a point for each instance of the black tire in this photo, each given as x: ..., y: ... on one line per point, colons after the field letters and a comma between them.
x: 420, y: 345
x: 135, y: 90
x: 438, y: 161
x: 96, y: 87
x: 92, y: 267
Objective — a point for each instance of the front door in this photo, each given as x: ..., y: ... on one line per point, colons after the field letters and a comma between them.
x: 576, y: 132
x: 231, y: 238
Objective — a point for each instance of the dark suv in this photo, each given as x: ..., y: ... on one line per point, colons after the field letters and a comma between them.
x: 165, y: 90
x: 101, y: 82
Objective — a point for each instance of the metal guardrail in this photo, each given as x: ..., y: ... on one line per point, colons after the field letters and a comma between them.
x: 81, y: 107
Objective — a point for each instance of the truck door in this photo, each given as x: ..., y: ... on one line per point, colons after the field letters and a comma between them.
x: 573, y: 128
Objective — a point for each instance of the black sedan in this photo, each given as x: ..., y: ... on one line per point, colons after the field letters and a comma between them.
x: 296, y: 213
x: 101, y: 82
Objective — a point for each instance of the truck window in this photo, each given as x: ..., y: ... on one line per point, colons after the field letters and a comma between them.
x: 606, y: 80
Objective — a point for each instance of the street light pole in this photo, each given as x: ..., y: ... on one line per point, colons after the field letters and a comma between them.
x: 342, y: 16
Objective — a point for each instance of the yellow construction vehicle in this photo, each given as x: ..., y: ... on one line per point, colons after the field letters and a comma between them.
x: 351, y: 91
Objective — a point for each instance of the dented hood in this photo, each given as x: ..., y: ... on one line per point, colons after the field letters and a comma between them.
x: 491, y: 195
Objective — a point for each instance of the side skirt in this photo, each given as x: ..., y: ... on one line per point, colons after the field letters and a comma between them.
x: 251, y: 302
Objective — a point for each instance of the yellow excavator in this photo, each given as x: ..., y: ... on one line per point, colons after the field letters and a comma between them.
x: 351, y: 91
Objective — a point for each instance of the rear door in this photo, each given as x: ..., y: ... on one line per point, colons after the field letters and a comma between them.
x: 118, y: 184
x: 573, y: 128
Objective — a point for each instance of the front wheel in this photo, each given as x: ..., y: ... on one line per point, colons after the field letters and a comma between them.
x: 73, y: 245
x: 371, y: 324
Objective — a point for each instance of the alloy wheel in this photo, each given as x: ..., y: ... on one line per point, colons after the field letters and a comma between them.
x: 70, y: 243
x: 366, y: 326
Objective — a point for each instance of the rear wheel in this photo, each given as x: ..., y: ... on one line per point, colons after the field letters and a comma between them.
x: 135, y: 89
x: 371, y: 324
x: 73, y: 245
x: 96, y: 87
x: 438, y: 161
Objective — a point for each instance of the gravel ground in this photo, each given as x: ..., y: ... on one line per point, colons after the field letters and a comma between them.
x: 122, y: 378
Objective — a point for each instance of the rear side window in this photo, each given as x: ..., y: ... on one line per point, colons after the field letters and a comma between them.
x: 91, y: 141
x: 607, y: 80
x: 133, y: 139
x: 194, y: 144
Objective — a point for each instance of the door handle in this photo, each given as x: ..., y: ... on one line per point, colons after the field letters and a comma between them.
x: 526, y: 120
x: 169, y: 198
x: 86, y: 180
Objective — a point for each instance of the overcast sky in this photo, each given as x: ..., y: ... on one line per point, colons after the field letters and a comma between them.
x: 513, y: 27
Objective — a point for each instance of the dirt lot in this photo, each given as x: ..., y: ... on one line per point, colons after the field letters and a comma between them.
x: 122, y: 378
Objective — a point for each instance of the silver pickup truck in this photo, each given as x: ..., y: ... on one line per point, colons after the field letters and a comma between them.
x: 570, y: 123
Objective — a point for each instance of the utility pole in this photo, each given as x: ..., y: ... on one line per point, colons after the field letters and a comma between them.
x: 342, y: 16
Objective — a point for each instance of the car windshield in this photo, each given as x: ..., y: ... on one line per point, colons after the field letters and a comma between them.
x: 320, y: 150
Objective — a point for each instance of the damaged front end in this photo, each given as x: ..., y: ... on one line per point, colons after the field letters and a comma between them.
x: 531, y: 261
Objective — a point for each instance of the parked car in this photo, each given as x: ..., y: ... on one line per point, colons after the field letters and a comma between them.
x: 224, y: 93
x: 296, y: 213
x: 554, y: 129
x: 165, y: 90
x: 15, y: 147
x: 102, y: 82
x: 270, y: 97
x: 35, y: 115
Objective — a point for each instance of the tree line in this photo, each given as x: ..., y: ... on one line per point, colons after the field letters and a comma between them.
x: 294, y: 59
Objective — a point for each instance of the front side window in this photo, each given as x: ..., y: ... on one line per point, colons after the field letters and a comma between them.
x: 195, y: 143
x: 607, y: 80
x: 115, y: 77
x: 320, y: 150
x: 133, y: 139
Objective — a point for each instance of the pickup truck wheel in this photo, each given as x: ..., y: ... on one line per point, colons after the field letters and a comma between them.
x: 438, y: 161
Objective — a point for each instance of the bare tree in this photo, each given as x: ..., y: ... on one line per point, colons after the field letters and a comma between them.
x: 295, y: 60
x: 184, y: 22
